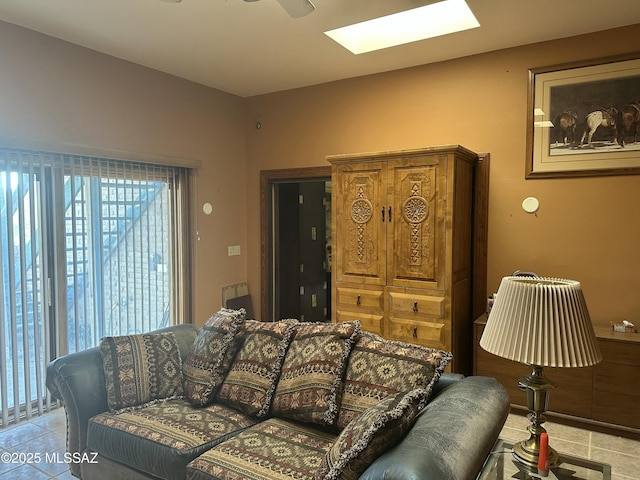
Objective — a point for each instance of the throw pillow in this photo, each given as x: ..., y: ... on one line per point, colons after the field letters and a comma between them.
x: 253, y: 375
x: 378, y: 368
x: 211, y: 355
x: 379, y: 428
x: 139, y: 369
x: 312, y: 372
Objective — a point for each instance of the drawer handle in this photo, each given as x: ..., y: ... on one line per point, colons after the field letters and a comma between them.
x: 415, y: 332
x: 415, y: 307
x: 358, y: 300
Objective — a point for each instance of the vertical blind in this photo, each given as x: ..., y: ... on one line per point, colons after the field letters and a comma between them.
x: 89, y: 247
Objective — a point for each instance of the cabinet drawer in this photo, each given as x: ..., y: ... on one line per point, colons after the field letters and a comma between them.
x: 616, y: 378
x: 426, y: 333
x: 416, y: 304
x: 368, y: 322
x: 625, y: 353
x: 359, y: 298
x: 618, y: 409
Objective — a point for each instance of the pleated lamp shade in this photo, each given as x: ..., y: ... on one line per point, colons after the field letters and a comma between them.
x: 543, y: 322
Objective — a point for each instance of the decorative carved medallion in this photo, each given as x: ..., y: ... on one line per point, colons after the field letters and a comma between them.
x: 415, y: 211
x: 361, y: 212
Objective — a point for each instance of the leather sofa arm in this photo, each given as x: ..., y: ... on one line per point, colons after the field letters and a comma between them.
x: 78, y: 381
x: 444, y: 381
x: 452, y: 436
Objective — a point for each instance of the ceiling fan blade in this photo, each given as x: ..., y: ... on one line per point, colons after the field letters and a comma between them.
x: 297, y: 8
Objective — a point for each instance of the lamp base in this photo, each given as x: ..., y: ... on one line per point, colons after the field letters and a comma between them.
x: 537, y: 388
x: 528, y: 451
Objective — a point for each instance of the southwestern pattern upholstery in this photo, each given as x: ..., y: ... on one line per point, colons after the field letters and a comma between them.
x: 172, y: 433
x: 175, y: 439
x: 378, y: 368
x: 275, y: 449
x: 312, y: 372
x: 379, y: 428
x: 252, y: 378
x: 141, y: 368
x: 211, y: 355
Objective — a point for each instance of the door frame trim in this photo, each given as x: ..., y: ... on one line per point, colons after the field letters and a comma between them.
x: 266, y: 177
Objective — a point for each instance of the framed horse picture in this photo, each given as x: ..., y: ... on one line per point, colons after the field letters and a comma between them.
x: 583, y: 119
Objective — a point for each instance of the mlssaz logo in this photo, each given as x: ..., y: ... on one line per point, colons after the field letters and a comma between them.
x: 72, y: 457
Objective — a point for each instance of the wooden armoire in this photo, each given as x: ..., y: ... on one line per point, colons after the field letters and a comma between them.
x: 403, y: 246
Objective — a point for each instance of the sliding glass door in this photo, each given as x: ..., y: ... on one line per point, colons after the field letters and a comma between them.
x: 89, y: 247
x: 117, y: 250
x: 23, y: 303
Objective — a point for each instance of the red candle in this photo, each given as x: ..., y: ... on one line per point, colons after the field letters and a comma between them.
x: 543, y: 458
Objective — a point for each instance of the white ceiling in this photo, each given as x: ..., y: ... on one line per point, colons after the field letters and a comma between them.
x: 250, y: 48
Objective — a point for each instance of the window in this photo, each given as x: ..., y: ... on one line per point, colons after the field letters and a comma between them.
x: 89, y: 247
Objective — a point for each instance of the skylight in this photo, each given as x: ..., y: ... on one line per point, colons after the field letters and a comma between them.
x: 420, y: 23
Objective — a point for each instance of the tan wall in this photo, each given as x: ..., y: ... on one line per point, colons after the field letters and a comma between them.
x: 53, y: 91
x: 586, y: 229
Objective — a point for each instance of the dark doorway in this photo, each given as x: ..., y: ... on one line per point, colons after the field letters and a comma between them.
x: 300, y: 281
x: 296, y: 257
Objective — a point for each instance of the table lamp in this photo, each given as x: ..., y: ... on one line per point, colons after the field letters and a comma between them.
x: 541, y: 322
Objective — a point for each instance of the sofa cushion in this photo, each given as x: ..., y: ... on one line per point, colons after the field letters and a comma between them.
x: 379, y: 428
x: 253, y: 375
x: 141, y: 368
x: 211, y: 355
x: 273, y: 449
x: 312, y: 372
x: 378, y: 368
x: 160, y: 439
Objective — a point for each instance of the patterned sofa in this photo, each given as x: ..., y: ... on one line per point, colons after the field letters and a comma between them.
x: 241, y: 399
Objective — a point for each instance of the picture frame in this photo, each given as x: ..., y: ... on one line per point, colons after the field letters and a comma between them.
x: 583, y: 119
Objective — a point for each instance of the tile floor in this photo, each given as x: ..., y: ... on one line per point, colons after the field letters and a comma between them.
x: 40, y: 440
x: 46, y: 436
x: 622, y: 454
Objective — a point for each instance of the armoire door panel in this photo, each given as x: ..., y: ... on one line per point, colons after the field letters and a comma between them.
x: 416, y: 230
x: 360, y: 227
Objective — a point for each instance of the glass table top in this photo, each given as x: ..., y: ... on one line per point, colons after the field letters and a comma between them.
x: 501, y: 465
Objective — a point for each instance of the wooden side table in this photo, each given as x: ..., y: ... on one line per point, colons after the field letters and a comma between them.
x: 616, y: 398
